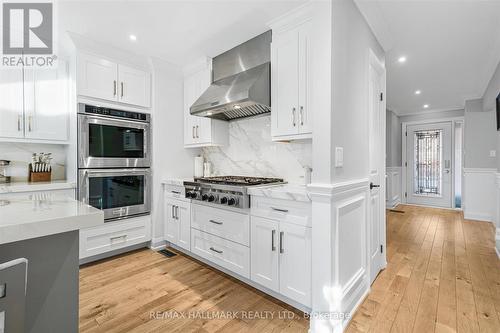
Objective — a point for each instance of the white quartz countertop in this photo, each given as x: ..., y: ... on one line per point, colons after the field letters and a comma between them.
x: 176, y: 181
x: 30, y: 216
x: 286, y: 192
x: 19, y: 187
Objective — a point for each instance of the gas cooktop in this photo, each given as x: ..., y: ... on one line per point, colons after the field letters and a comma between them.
x: 230, y: 191
x: 238, y: 180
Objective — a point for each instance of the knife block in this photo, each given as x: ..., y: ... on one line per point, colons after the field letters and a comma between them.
x: 39, y: 176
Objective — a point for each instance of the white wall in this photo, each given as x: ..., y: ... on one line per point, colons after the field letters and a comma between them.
x: 480, y: 135
x: 352, y: 40
x: 170, y: 159
x: 252, y: 153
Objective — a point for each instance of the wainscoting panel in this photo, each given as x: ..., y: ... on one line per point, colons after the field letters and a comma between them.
x: 393, y: 186
x: 480, y: 194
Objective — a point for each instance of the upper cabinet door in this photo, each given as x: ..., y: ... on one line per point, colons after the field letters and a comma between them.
x: 305, y: 78
x: 97, y: 77
x: 191, y: 125
x: 204, y: 129
x: 134, y: 86
x: 46, y: 103
x: 11, y: 105
x: 285, y: 83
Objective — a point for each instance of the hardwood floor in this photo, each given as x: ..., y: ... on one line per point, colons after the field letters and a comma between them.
x: 144, y: 291
x: 443, y: 275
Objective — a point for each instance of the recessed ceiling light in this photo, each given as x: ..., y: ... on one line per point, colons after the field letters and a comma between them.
x: 402, y: 59
x: 418, y: 92
x: 426, y: 106
x: 133, y: 38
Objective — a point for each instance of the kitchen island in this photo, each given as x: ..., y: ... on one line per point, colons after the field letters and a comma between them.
x: 42, y: 230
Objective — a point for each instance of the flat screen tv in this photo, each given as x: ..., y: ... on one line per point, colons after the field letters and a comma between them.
x: 498, y: 112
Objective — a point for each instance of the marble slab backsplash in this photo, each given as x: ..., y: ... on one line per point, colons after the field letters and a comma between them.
x: 252, y: 153
x: 19, y: 155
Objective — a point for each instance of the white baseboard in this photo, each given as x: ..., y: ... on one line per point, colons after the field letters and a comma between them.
x: 478, y: 216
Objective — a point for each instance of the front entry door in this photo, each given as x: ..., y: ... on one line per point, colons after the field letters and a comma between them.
x: 376, y: 117
x: 429, y: 164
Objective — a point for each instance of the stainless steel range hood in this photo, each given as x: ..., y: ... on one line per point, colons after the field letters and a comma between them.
x: 241, y: 82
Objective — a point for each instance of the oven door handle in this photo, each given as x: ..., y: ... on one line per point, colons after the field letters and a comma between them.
x: 104, y: 119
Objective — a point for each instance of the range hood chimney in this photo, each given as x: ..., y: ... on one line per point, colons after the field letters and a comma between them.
x: 241, y: 82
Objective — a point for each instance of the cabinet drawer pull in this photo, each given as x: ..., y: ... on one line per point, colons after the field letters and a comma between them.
x: 282, y: 234
x: 215, y: 222
x: 301, y: 116
x: 175, y: 192
x: 30, y: 118
x: 217, y: 251
x: 293, y: 117
x: 173, y: 211
x: 121, y: 83
x: 280, y: 210
x: 197, y: 131
x: 176, y: 212
x: 19, y: 123
x: 123, y: 237
x: 193, y: 133
x: 273, y: 246
x: 114, y: 87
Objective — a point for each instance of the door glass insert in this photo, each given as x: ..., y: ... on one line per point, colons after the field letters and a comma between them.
x: 116, y: 191
x: 428, y: 166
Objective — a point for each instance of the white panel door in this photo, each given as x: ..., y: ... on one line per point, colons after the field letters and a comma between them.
x: 11, y: 103
x: 285, y: 83
x: 183, y: 217
x: 46, y: 103
x: 135, y: 86
x: 97, y: 77
x: 171, y: 224
x: 376, y: 119
x: 294, y: 246
x: 264, y: 252
x: 429, y: 164
x: 305, y: 78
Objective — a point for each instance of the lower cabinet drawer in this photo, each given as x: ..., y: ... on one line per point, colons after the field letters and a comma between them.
x: 223, y: 223
x: 113, y: 236
x: 225, y: 253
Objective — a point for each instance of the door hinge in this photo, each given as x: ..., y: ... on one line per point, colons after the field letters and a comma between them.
x: 381, y: 248
x: 381, y: 97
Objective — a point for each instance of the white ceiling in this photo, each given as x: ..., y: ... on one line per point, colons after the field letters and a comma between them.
x: 452, y: 50
x: 177, y: 31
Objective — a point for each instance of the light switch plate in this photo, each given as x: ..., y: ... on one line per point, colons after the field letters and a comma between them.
x: 493, y: 153
x: 339, y: 157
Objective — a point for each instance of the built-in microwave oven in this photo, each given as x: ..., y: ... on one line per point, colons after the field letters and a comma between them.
x: 119, y: 193
x: 111, y: 138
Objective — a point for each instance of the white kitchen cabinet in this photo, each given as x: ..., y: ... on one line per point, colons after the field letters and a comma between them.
x: 201, y: 131
x: 295, y: 262
x: 178, y: 223
x: 11, y: 105
x: 135, y: 86
x: 264, y: 253
x: 103, y: 78
x: 46, y: 103
x: 281, y: 258
x: 36, y: 103
x: 291, y: 84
